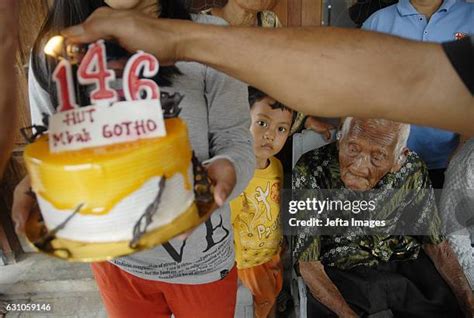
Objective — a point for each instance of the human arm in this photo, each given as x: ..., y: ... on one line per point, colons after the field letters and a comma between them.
x: 229, y: 124
x: 323, y: 289
x: 327, y: 72
x: 8, y: 105
x: 23, y: 202
x: 319, y: 126
x: 445, y: 261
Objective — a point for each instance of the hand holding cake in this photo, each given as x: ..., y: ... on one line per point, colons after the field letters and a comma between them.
x: 119, y: 175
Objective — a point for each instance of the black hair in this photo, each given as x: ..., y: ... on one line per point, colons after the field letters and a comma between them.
x: 256, y: 95
x: 65, y: 13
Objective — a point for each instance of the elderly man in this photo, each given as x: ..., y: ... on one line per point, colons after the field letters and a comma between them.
x: 349, y: 276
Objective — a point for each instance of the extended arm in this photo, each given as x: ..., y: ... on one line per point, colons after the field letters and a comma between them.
x: 320, y: 71
x: 446, y: 263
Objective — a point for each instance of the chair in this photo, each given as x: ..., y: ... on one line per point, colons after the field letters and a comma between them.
x: 303, y: 142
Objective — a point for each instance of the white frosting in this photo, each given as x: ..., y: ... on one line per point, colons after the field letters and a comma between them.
x: 117, y: 225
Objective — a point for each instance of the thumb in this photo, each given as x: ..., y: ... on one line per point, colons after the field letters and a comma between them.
x: 222, y: 190
x: 222, y: 174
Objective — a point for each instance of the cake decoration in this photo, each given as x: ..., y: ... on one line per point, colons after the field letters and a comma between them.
x: 116, y: 176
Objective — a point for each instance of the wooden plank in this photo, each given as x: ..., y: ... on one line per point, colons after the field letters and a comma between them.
x: 281, y: 10
x: 32, y: 13
x: 294, y: 13
x: 311, y: 12
x: 31, y: 16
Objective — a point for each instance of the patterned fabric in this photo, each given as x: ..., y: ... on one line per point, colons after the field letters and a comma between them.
x: 457, y: 206
x: 266, y: 19
x: 409, y: 187
x: 256, y: 217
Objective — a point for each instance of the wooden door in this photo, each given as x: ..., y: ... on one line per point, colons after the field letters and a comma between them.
x: 297, y: 13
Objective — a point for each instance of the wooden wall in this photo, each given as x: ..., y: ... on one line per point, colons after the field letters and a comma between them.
x: 32, y: 13
x: 299, y: 12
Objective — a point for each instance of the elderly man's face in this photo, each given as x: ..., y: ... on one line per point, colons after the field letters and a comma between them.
x: 367, y: 153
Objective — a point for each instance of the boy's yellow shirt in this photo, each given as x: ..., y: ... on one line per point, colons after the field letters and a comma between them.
x: 256, y: 217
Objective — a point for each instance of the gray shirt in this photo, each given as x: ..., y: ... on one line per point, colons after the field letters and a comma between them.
x: 215, y: 108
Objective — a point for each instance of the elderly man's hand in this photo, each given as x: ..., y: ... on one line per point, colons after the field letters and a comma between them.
x: 133, y: 31
x: 469, y: 306
x: 323, y: 289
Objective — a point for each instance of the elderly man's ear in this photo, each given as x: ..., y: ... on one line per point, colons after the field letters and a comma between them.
x: 400, y: 160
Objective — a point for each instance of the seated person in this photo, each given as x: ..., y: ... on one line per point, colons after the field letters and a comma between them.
x: 457, y: 206
x: 247, y: 13
x: 352, y: 276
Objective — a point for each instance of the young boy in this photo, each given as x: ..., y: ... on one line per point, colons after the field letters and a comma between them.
x: 256, y: 212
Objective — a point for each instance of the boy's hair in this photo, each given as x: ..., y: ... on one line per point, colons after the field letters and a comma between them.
x: 256, y: 95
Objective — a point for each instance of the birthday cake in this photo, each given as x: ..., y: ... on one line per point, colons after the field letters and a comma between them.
x: 115, y: 176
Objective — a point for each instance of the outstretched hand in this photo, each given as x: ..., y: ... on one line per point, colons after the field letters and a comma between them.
x: 132, y: 30
x: 223, y: 176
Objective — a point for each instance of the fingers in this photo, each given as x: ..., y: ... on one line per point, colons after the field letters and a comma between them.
x: 102, y: 24
x: 23, y: 203
x: 222, y: 191
x: 222, y: 174
x: 185, y: 235
x: 320, y: 127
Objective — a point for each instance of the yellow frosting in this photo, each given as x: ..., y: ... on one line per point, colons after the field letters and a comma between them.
x: 100, y: 177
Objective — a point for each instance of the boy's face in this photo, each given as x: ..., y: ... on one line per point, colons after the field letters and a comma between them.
x: 270, y: 128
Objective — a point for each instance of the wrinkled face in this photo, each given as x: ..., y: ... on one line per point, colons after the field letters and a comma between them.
x: 256, y: 5
x: 367, y: 153
x: 270, y: 128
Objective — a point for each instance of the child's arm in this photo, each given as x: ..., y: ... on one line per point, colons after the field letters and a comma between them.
x: 229, y: 124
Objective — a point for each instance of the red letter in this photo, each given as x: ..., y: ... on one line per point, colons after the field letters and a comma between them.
x: 93, y: 70
x: 63, y: 77
x: 106, y: 133
x: 133, y: 86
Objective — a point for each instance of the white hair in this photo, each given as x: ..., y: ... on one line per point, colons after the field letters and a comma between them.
x: 402, y: 139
